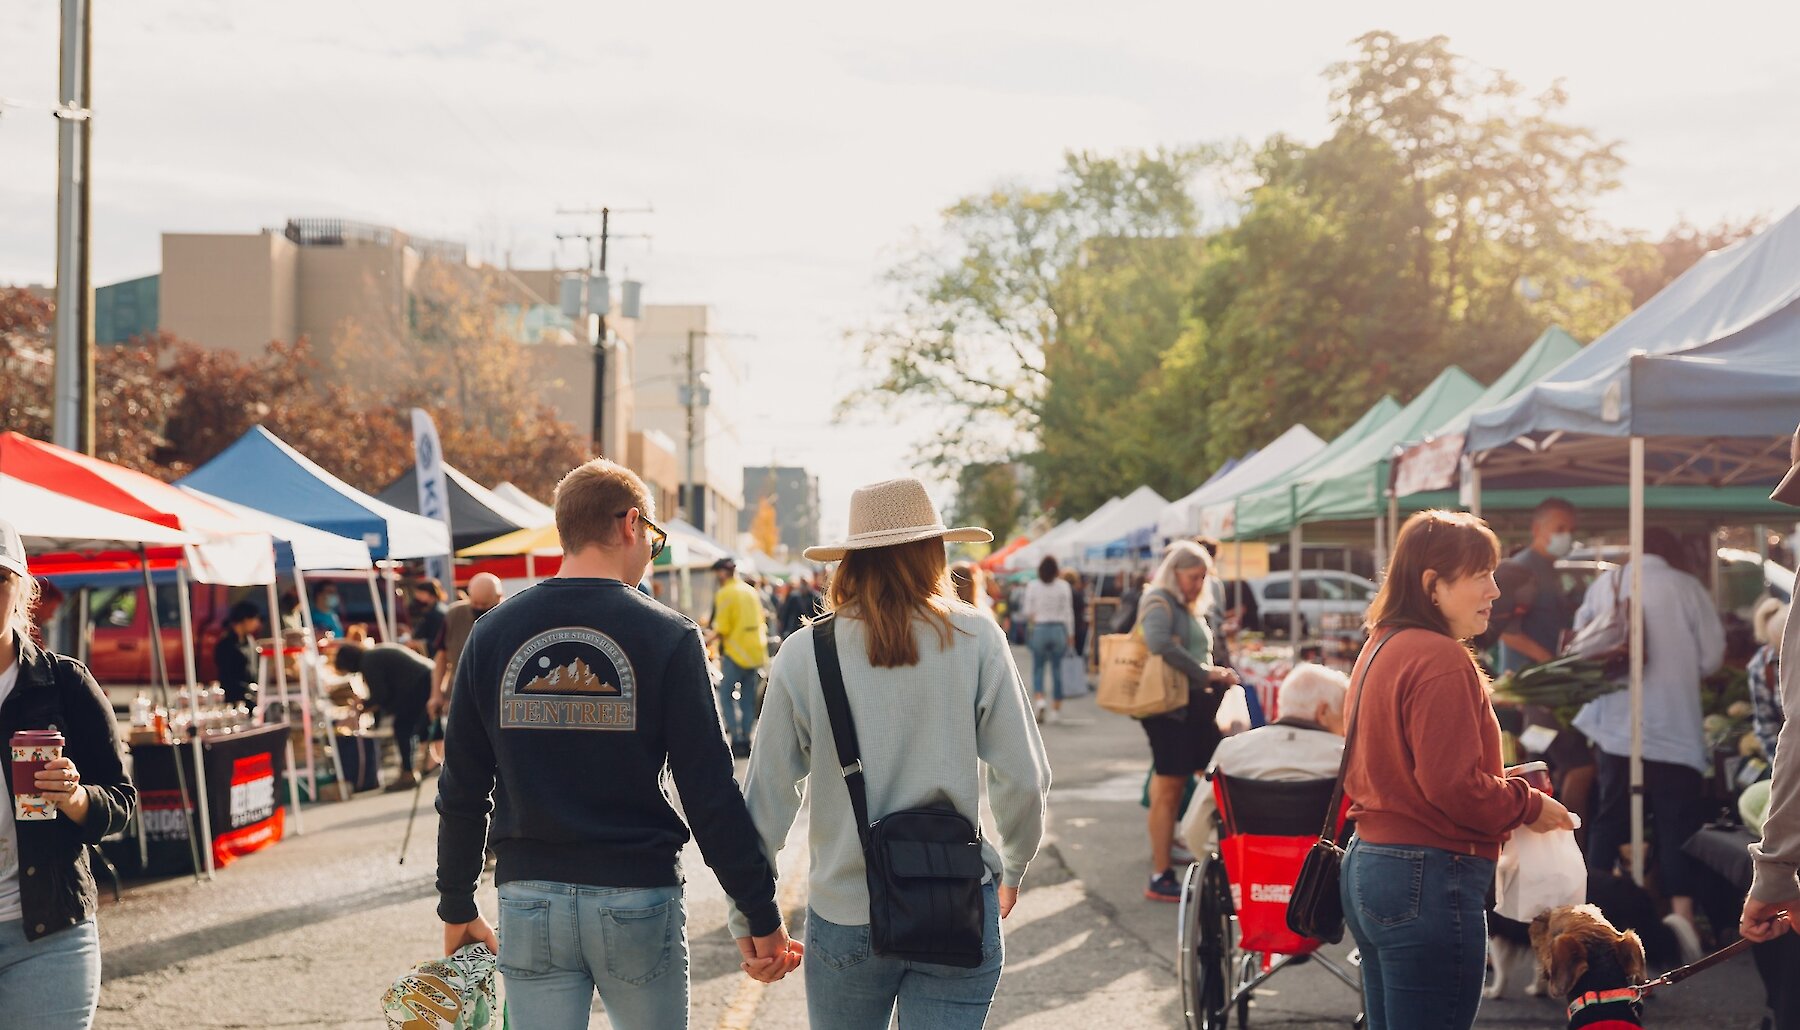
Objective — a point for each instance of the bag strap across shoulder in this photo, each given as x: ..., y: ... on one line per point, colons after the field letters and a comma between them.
x: 843, y: 727
x: 1337, y: 790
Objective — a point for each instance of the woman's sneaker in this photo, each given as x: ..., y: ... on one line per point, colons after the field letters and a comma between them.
x: 1042, y: 706
x: 1163, y: 887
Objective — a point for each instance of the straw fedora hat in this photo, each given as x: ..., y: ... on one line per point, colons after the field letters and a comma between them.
x: 895, y: 512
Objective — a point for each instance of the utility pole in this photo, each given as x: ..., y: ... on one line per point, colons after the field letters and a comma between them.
x: 698, y: 395
x: 73, y: 387
x: 597, y: 242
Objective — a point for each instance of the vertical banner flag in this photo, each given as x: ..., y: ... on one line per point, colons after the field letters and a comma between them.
x: 434, y: 499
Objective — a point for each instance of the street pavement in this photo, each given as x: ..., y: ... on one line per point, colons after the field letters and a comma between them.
x: 310, y: 933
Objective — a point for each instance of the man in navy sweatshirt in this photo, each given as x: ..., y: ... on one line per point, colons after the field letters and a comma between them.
x: 569, y: 703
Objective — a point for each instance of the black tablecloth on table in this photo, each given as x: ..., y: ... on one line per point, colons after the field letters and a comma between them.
x: 244, y: 773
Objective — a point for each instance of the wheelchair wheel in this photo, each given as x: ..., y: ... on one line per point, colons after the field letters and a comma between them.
x: 1205, y: 944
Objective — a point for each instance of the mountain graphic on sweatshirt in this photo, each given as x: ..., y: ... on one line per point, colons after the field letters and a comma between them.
x: 573, y: 678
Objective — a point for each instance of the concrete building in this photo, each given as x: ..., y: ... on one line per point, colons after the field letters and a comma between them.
x: 339, y: 283
x: 795, y: 494
x: 679, y: 345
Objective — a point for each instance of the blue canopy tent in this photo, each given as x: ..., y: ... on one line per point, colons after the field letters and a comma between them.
x: 1697, y: 390
x: 260, y: 471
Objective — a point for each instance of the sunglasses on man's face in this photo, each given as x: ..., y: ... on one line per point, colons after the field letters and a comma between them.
x: 659, y: 538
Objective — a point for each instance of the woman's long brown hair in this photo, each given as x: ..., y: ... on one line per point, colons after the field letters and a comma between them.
x: 1452, y: 544
x: 886, y: 588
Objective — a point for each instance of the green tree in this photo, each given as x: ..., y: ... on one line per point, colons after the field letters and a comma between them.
x: 991, y: 495
x: 1446, y: 220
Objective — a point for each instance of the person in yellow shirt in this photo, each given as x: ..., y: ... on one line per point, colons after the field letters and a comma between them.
x: 739, y: 627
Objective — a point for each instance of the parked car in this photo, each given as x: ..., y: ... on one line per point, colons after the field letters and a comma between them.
x: 1331, y: 602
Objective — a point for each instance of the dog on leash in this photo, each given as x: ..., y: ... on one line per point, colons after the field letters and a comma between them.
x: 1590, y: 963
x: 1668, y: 941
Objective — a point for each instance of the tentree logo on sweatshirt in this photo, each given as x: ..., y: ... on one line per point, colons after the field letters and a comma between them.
x: 572, y: 678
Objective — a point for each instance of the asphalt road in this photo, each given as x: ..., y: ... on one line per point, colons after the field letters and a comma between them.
x: 311, y: 932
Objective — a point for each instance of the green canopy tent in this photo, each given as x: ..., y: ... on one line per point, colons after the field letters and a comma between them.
x: 1349, y: 474
x: 1221, y: 518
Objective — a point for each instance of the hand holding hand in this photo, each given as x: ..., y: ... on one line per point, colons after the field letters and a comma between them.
x: 770, y: 957
x: 60, y: 782
x: 457, y: 935
x: 1765, y: 921
x: 1009, y: 896
x: 1553, y: 816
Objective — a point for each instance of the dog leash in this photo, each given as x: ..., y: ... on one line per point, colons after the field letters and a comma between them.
x: 1675, y: 976
x: 1636, y: 994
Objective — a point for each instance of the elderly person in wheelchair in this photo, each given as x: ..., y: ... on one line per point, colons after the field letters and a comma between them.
x: 1305, y: 743
x: 1274, y: 784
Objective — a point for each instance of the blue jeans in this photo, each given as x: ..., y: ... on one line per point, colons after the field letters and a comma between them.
x: 1419, y: 914
x: 849, y: 987
x: 740, y: 721
x: 559, y: 942
x: 1049, y: 642
x: 52, y: 983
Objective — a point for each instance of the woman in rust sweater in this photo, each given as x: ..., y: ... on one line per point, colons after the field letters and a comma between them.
x: 1430, y: 799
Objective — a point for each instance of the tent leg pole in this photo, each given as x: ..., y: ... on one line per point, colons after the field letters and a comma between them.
x: 162, y: 683
x: 392, y: 585
x: 1475, y: 490
x: 1294, y: 549
x: 381, y: 623
x: 187, y: 655
x: 309, y: 657
x: 1393, y: 526
x: 281, y: 687
x: 1637, y: 659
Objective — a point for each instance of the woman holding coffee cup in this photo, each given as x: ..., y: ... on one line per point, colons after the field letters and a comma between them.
x: 68, y: 790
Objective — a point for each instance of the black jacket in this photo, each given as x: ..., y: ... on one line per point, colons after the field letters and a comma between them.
x: 56, y: 886
x: 570, y: 702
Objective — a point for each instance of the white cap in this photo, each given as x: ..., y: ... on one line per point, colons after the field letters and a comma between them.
x: 12, y: 550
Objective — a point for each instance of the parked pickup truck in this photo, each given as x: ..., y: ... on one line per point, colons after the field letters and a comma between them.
x: 120, y: 651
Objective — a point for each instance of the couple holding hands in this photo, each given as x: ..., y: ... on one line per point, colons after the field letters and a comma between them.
x: 573, y: 697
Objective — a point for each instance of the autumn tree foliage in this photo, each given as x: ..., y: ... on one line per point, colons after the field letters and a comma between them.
x: 165, y: 405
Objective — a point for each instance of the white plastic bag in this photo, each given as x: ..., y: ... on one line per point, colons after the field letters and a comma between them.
x: 1537, y: 872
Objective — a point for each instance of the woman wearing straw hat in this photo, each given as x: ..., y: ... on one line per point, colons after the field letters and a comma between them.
x: 932, y: 685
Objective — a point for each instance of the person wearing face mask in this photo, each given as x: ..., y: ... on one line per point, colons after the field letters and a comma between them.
x: 1545, y: 614
x: 325, y: 605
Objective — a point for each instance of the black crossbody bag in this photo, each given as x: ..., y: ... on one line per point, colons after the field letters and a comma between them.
x: 1316, y: 908
x: 924, y: 864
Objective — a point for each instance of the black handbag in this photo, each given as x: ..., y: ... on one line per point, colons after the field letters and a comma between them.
x: 1316, y: 907
x: 924, y: 864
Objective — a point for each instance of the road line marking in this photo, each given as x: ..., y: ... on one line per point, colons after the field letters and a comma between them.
x: 748, y: 998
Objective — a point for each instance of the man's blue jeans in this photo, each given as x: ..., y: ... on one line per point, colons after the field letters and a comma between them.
x: 738, y: 722
x: 1419, y: 914
x: 849, y: 987
x: 52, y: 983
x: 559, y: 942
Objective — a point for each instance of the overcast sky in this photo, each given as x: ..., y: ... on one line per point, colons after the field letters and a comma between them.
x: 791, y: 150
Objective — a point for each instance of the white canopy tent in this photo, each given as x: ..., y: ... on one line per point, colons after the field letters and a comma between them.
x: 541, y: 514
x: 1135, y: 510
x: 1183, y: 517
